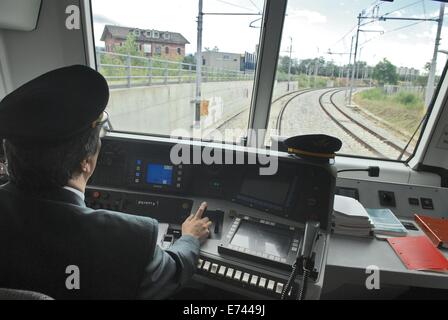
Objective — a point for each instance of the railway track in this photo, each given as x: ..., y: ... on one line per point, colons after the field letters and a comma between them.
x: 278, y: 125
x: 368, y: 138
x: 376, y: 134
x: 296, y: 92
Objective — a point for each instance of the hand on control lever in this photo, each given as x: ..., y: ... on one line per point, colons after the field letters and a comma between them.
x: 197, y: 226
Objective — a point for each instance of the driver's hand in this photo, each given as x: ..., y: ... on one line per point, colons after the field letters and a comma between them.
x: 197, y: 226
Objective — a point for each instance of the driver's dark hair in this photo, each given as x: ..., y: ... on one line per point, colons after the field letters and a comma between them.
x: 37, y: 168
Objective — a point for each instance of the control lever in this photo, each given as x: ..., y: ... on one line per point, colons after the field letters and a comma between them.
x: 304, y: 259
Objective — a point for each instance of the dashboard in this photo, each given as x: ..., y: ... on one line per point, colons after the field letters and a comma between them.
x: 257, y: 220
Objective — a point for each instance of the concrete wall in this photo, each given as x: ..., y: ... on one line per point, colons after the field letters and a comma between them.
x: 162, y: 109
x: 222, y: 60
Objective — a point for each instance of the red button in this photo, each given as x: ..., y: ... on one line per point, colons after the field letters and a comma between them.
x: 96, y: 194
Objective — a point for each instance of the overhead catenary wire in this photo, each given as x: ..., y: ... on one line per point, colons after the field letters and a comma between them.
x: 404, y: 7
x: 372, y: 5
x: 234, y: 5
x: 396, y: 29
x: 256, y: 7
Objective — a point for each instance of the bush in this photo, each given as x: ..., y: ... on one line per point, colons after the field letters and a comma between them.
x: 373, y: 94
x: 408, y: 99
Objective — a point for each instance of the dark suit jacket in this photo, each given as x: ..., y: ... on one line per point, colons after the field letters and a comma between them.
x: 116, y: 253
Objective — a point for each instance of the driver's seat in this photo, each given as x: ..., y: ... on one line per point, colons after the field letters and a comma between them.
x: 12, y: 294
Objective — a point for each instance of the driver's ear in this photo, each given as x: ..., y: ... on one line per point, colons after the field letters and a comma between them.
x: 85, y: 166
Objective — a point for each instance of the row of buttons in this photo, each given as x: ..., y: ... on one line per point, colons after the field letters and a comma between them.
x: 240, y: 276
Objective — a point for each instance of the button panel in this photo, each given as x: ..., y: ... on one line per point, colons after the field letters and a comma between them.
x: 240, y: 277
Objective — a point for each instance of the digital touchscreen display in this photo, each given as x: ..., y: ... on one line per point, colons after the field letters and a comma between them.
x: 159, y: 174
x: 263, y: 238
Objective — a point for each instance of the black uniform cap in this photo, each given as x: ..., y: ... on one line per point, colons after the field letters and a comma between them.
x: 314, y: 145
x: 55, y: 106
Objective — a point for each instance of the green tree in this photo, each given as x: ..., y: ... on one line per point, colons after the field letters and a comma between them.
x: 189, y: 59
x: 130, y: 46
x: 385, y: 72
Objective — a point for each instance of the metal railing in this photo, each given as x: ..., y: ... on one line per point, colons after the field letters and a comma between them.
x: 126, y: 71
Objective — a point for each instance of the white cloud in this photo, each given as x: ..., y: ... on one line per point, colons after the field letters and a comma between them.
x: 310, y: 16
x: 397, y: 14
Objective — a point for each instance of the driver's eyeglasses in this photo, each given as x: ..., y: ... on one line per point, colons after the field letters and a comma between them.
x: 104, y: 122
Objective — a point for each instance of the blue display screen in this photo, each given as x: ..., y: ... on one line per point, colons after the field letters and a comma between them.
x: 159, y: 174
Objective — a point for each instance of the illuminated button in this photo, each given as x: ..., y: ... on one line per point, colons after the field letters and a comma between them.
x: 229, y: 273
x: 137, y: 174
x: 96, y: 194
x: 138, y: 168
x: 262, y: 283
x: 214, y: 268
x: 138, y: 162
x: 222, y: 271
x: 137, y: 180
x: 200, y: 262
x: 178, y: 185
x: 279, y: 288
x: 254, y: 280
x: 246, y: 277
x: 179, y: 173
x: 206, y: 266
x: 179, y: 179
x: 179, y: 166
x: 237, y: 275
x: 294, y: 249
x: 271, y: 285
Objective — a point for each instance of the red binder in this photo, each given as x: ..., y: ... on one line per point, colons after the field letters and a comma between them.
x: 435, y: 228
x: 419, y: 253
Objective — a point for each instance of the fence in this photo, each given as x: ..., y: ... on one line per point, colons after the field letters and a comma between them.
x: 126, y: 71
x: 392, y: 89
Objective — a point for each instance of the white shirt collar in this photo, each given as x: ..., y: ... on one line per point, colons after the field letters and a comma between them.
x: 75, y: 191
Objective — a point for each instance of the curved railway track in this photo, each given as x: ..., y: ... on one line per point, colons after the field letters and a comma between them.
x: 349, y: 125
x: 376, y: 134
x: 369, y: 139
x: 297, y: 92
x: 278, y: 125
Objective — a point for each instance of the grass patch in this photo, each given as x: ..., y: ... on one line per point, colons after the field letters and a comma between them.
x: 403, y: 110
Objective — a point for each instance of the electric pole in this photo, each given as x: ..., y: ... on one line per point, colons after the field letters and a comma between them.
x: 197, y: 118
x: 354, y: 61
x: 432, y: 72
x: 289, y: 66
x: 348, y: 67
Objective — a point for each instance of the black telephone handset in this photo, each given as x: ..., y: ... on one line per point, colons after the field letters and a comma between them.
x: 309, y: 238
x: 304, y: 259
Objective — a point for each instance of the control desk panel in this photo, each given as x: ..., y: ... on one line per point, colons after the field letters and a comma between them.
x: 257, y: 220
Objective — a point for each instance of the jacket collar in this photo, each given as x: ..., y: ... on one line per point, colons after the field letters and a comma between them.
x: 58, y: 195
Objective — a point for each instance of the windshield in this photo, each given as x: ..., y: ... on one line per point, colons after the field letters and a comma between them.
x: 364, y: 71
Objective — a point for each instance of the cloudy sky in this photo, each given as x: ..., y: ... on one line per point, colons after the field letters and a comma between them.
x: 315, y: 26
